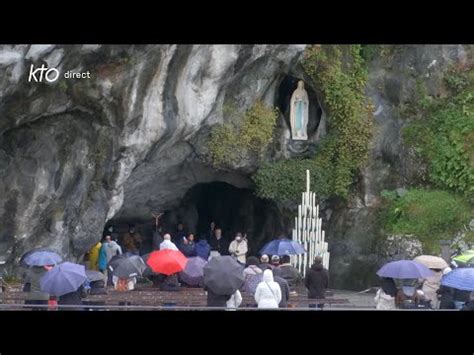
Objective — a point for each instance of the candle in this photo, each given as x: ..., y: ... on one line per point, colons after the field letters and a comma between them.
x: 307, y: 180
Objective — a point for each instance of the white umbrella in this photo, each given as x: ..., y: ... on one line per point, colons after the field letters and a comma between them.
x: 432, y: 262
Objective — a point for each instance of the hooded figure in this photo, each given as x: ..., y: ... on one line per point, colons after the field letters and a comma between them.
x: 268, y: 293
x: 94, y: 256
x: 108, y: 250
x: 203, y: 249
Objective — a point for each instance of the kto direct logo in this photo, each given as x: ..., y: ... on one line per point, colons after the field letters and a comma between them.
x: 50, y: 74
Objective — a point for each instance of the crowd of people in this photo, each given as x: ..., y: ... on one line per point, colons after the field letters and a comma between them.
x: 422, y: 293
x: 270, y: 279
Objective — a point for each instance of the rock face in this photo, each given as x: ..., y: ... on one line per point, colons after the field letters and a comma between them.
x: 76, y: 152
x: 353, y: 234
x: 131, y: 140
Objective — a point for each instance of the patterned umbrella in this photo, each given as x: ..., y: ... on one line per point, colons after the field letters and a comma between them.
x: 405, y: 269
x: 167, y: 261
x: 63, y: 278
x: 460, y: 278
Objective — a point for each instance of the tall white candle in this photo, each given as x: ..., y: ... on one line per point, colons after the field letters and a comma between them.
x: 307, y: 180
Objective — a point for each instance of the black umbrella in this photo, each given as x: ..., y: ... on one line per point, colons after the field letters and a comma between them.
x: 115, y: 261
x: 93, y: 275
x: 223, y: 275
x: 148, y: 271
x: 129, y: 267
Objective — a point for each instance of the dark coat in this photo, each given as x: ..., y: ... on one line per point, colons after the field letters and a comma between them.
x: 98, y: 288
x: 265, y: 266
x: 157, y: 240
x: 219, y: 245
x: 166, y: 283
x: 189, y: 249
x: 290, y: 274
x: 446, y: 300
x: 203, y: 249
x: 285, y: 291
x: 71, y: 298
x: 214, y: 300
x: 316, y: 281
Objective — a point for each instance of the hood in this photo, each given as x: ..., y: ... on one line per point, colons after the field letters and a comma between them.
x: 268, y: 276
x: 317, y: 267
x: 202, y: 243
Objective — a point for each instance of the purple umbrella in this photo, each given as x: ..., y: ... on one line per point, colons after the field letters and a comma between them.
x: 193, y: 274
x: 63, y: 278
x: 404, y: 269
x: 40, y: 257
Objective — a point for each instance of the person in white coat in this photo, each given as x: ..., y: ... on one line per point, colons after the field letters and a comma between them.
x: 239, y: 248
x: 167, y: 243
x: 235, y: 300
x: 431, y: 285
x: 268, y: 292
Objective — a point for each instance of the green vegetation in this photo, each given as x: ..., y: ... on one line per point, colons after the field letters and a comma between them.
x: 340, y: 73
x: 430, y: 215
x: 243, y: 137
x: 442, y: 134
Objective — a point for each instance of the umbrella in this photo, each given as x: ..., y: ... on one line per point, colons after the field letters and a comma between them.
x: 282, y: 247
x: 63, y: 278
x: 193, y: 274
x: 223, y: 275
x: 93, y: 275
x: 40, y: 257
x: 167, y: 261
x: 465, y: 258
x: 129, y: 267
x: 431, y: 261
x: 115, y: 261
x: 460, y: 278
x: 405, y: 269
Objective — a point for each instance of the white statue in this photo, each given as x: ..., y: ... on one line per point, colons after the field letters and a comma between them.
x: 299, y: 113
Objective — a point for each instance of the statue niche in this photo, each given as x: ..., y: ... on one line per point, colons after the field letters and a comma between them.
x: 299, y: 113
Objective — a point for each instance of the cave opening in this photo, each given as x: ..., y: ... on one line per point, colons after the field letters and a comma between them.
x: 231, y: 208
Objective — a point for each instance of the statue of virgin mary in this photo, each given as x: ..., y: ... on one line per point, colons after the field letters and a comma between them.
x: 299, y: 113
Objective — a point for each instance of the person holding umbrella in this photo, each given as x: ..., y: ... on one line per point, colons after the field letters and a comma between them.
x: 223, y: 275
x: 432, y: 283
x: 65, y: 282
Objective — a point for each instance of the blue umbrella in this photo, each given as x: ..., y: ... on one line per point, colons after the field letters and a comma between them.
x: 460, y: 278
x: 193, y: 274
x: 282, y: 247
x: 63, y: 278
x: 404, y: 269
x: 40, y: 257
